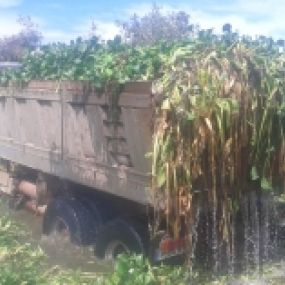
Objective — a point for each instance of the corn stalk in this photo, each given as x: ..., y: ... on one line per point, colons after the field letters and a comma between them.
x: 220, y: 128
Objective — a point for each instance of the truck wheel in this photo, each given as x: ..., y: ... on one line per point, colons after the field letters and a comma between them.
x: 120, y: 236
x: 70, y: 218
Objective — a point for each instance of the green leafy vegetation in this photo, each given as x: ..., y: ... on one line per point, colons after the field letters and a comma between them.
x: 90, y: 60
x: 22, y: 262
x: 219, y: 128
x: 219, y: 121
x: 137, y: 270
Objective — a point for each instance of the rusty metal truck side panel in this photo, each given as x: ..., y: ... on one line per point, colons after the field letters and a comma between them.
x: 65, y: 129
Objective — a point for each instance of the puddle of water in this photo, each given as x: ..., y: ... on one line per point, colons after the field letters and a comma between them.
x: 58, y: 250
x: 61, y: 252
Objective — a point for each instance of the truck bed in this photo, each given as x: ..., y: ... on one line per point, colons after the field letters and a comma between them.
x: 66, y: 129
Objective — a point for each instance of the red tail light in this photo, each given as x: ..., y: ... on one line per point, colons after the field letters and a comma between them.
x: 169, y: 245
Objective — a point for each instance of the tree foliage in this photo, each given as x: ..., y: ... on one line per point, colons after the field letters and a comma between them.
x: 156, y: 26
x: 14, y: 47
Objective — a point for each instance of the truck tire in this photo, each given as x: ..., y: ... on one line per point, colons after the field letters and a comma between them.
x: 120, y: 236
x: 101, y: 211
x: 69, y: 217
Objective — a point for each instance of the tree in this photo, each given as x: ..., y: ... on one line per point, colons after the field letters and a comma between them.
x: 13, y: 48
x: 156, y: 26
x: 227, y: 28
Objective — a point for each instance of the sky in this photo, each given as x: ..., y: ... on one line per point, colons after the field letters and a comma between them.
x: 63, y: 20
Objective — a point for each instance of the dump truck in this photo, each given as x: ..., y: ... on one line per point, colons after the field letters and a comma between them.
x: 78, y: 157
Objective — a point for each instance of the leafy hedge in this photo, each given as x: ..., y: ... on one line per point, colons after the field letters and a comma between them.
x: 115, y: 61
x: 92, y: 61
